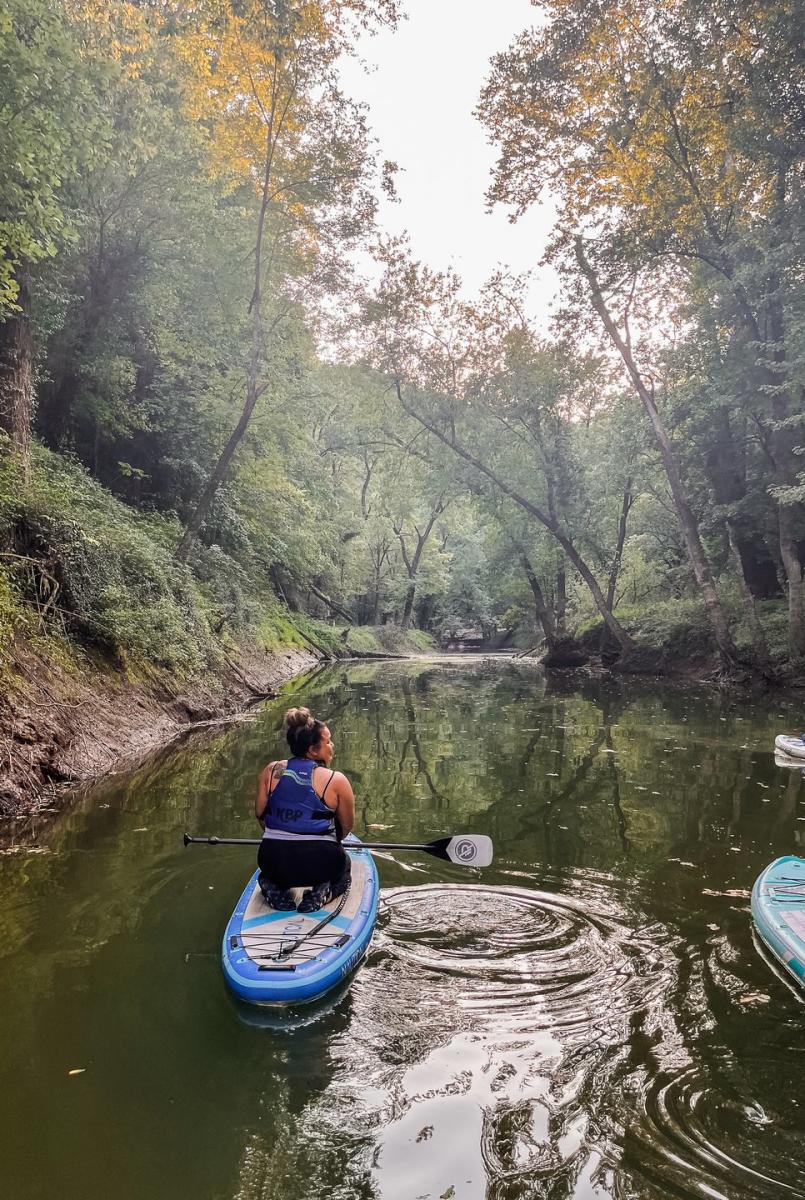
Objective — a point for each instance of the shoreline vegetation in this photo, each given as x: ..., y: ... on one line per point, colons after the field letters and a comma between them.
x: 68, y: 718
x: 109, y: 649
x: 221, y: 445
x: 66, y: 721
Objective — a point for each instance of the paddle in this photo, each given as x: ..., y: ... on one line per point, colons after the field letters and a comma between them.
x: 465, y: 849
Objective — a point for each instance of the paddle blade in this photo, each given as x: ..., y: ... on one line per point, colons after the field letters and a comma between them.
x: 466, y: 849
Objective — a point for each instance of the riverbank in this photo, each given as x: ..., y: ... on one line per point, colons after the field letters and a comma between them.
x: 61, y: 726
x: 68, y: 719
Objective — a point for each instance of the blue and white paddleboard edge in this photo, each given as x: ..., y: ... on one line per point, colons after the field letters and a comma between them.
x: 782, y: 943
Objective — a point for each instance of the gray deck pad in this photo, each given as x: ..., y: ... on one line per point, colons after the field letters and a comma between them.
x: 265, y: 932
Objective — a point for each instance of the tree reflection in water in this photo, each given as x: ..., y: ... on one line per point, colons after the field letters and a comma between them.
x: 586, y: 1018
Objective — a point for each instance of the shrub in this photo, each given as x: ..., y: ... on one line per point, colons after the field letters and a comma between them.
x: 111, y: 583
x: 678, y: 626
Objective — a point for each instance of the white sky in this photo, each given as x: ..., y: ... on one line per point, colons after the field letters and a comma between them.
x: 421, y: 93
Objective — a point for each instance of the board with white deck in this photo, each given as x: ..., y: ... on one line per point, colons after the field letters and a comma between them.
x: 272, y: 957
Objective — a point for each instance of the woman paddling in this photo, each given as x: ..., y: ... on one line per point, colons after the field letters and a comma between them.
x: 305, y: 809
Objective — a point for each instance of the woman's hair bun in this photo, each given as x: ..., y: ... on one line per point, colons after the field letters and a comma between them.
x: 298, y: 718
x: 302, y: 730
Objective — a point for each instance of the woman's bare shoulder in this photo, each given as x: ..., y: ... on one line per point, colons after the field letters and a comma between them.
x: 274, y: 769
x: 326, y: 775
x: 330, y: 773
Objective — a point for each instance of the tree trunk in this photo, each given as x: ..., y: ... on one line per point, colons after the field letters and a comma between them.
x: 774, y: 380
x: 408, y: 607
x: 17, y: 376
x: 687, y: 521
x: 544, y: 614
x: 789, y: 552
x: 561, y: 598
x: 727, y: 476
x: 757, y: 564
x: 787, y: 468
x: 412, y: 563
x: 759, y: 643
x: 253, y: 390
x: 331, y: 604
x: 218, y: 476
x: 57, y: 399
x: 276, y: 582
x: 623, y: 639
x: 615, y: 569
x: 425, y: 611
x: 755, y: 570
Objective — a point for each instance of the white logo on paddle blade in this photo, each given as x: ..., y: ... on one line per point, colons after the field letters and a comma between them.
x: 465, y: 850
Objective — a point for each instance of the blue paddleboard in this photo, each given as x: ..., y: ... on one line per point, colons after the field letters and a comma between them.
x: 272, y: 957
x: 778, y: 909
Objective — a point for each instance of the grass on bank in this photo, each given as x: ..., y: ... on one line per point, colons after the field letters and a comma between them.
x: 80, y: 566
x: 279, y: 628
x: 81, y: 571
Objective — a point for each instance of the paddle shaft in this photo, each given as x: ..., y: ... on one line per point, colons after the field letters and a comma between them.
x: 465, y: 850
x: 219, y: 841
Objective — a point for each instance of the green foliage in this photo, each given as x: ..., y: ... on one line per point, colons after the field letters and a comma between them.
x: 49, y: 118
x: 93, y: 570
x: 417, y: 641
x: 774, y: 619
x: 53, y: 129
x: 387, y: 639
x: 363, y: 639
x: 279, y: 627
x: 11, y: 616
x: 134, y: 144
x: 671, y: 140
x: 680, y: 628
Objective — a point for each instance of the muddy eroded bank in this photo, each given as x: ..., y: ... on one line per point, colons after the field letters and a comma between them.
x: 60, y: 728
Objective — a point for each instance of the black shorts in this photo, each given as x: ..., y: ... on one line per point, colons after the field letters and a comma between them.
x: 290, y: 864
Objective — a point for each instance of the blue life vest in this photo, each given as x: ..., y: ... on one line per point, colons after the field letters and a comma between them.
x: 294, y: 808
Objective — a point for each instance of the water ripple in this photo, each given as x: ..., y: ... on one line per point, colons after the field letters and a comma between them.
x: 702, y: 1134
x: 552, y: 959
x: 508, y: 1043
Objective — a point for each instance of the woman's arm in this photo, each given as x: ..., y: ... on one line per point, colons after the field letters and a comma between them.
x: 345, y: 808
x: 269, y: 778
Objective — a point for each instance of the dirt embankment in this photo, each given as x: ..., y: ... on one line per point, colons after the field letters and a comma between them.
x: 60, y: 728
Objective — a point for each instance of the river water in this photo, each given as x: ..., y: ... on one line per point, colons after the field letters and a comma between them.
x: 589, y: 1017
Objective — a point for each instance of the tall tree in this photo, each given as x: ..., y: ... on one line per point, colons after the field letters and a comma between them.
x: 674, y: 134
x: 264, y: 79
x: 684, y: 510
x: 435, y: 346
x: 144, y: 211
x: 412, y: 545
